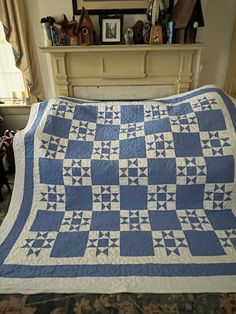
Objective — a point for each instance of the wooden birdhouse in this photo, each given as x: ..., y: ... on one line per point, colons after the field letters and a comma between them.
x: 187, y: 16
x: 86, y: 31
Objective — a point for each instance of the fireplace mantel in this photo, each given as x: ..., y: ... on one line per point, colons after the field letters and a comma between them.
x: 74, y: 67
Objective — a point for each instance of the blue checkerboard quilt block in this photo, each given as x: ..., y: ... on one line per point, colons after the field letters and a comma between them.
x: 124, y: 197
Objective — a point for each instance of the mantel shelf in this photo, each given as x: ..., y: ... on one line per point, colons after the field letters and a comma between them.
x: 77, y: 68
x: 104, y: 48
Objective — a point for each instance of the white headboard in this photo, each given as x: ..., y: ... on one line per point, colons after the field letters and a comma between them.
x: 124, y: 72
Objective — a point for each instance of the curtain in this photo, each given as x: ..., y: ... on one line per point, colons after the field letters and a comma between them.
x: 14, y: 17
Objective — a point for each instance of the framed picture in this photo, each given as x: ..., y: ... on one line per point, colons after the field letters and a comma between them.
x: 110, y: 7
x: 111, y: 29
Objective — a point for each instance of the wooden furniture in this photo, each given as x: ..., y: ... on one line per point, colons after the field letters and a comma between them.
x: 187, y: 16
x: 78, y: 68
x: 156, y: 37
x: 86, y: 31
x: 230, y: 82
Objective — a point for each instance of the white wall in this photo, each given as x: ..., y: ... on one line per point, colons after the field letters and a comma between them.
x: 217, y: 34
x: 219, y: 19
x: 55, y: 8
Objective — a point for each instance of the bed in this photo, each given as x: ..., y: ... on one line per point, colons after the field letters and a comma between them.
x: 124, y: 197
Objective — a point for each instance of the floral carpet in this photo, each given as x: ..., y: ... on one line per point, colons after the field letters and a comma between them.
x: 125, y: 303
x: 119, y: 303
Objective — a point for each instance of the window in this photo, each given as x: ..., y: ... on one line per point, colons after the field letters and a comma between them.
x: 12, y: 86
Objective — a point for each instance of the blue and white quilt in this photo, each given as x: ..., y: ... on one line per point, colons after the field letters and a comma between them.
x: 124, y: 197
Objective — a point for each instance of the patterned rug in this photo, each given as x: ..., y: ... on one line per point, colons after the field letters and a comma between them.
x: 111, y: 304
x: 119, y: 303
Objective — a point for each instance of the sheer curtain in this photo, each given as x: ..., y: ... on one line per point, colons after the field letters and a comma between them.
x: 14, y: 17
x: 11, y: 80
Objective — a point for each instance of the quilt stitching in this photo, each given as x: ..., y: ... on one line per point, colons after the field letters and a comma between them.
x: 218, y: 196
x: 133, y: 181
x: 170, y: 242
x: 143, y: 190
x: 205, y: 103
x: 54, y: 147
x: 215, y: 144
x: 160, y: 146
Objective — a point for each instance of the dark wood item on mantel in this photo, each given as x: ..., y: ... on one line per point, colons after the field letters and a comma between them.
x: 187, y: 16
x: 156, y: 37
x: 86, y: 31
x: 138, y: 32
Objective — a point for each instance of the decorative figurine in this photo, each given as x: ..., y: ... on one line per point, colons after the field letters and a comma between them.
x: 66, y: 27
x: 64, y: 32
x: 158, y: 6
x: 169, y: 32
x: 146, y: 34
x: 149, y: 10
x: 138, y: 32
x: 187, y: 17
x: 86, y: 31
x: 128, y: 36
x: 46, y: 23
x: 156, y: 37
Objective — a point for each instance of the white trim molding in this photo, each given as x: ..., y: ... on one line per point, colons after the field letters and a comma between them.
x: 125, y: 65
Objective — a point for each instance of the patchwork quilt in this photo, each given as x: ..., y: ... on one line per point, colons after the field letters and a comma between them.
x: 124, y: 197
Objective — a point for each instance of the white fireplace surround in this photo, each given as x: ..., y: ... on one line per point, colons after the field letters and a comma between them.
x: 124, y: 72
